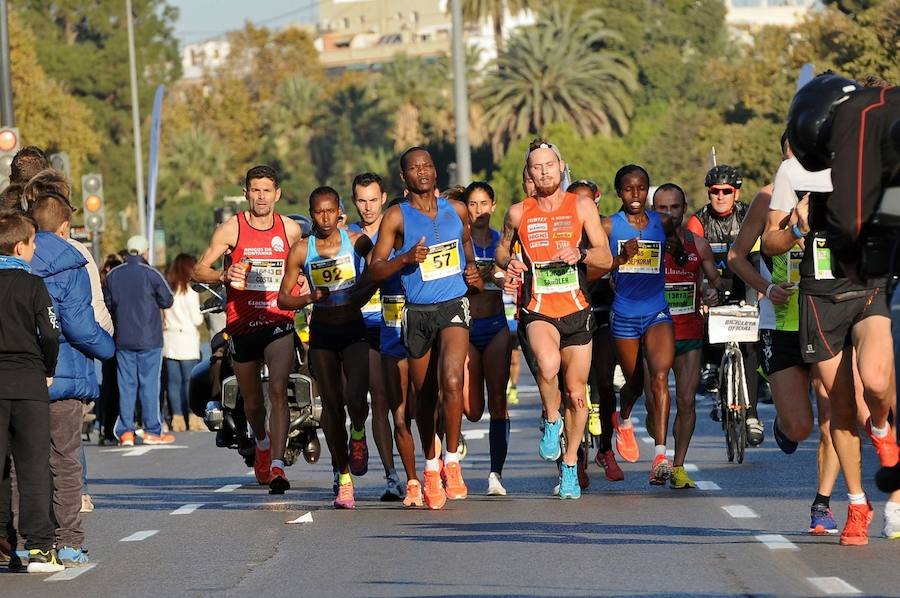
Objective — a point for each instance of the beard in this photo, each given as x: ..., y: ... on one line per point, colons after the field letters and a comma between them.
x: 544, y: 191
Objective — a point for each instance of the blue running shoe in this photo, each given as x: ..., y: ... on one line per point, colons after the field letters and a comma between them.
x: 568, y: 482
x: 786, y: 445
x: 73, y: 557
x: 549, y: 448
x: 822, y: 521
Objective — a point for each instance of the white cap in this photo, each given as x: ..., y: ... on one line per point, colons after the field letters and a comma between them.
x: 137, y: 245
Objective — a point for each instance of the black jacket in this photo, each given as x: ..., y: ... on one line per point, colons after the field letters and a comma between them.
x: 134, y: 293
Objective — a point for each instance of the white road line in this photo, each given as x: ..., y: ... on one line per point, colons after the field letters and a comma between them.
x: 777, y: 542
x: 138, y: 536
x: 143, y: 449
x: 691, y: 467
x: 307, y: 518
x: 704, y: 485
x: 646, y: 440
x: 640, y: 429
x: 479, y: 434
x: 250, y: 472
x: 228, y: 488
x: 187, y: 509
x: 833, y: 586
x: 69, y: 574
x: 138, y: 451
x: 740, y: 512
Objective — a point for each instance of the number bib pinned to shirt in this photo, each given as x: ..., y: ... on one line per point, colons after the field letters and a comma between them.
x: 374, y: 304
x: 680, y: 296
x: 265, y: 275
x: 442, y: 261
x: 645, y: 261
x: 392, y: 310
x: 554, y: 277
x: 822, y: 259
x: 333, y: 274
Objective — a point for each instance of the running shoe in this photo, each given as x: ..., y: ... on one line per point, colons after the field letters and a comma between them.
x: 786, y: 445
x: 456, y: 487
x: 892, y: 521
x: 886, y: 447
x: 73, y: 557
x: 44, y: 561
x: 392, y: 491
x: 856, y: 532
x: 158, y: 438
x: 335, y: 482
x: 413, y: 494
x: 359, y: 457
x: 680, y: 479
x: 435, y: 497
x: 512, y: 395
x: 344, y: 498
x: 626, y: 443
x: 279, y: 482
x: 568, y: 482
x: 660, y: 470
x: 607, y: 460
x: 594, y: 426
x: 821, y: 521
x: 262, y: 466
x: 755, y: 432
x: 126, y: 439
x: 495, y: 485
x: 550, y: 449
x: 584, y: 480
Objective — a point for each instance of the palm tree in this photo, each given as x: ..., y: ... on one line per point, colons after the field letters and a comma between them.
x: 559, y: 70
x: 476, y: 10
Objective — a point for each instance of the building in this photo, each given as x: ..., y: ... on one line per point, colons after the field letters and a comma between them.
x: 203, y: 56
x: 748, y: 14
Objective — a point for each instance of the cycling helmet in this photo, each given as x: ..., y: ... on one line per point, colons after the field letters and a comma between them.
x: 809, y: 119
x: 724, y: 175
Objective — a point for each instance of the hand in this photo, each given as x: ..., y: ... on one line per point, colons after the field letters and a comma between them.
x: 569, y: 255
x: 802, y: 212
x: 515, y: 268
x: 49, y: 382
x: 235, y: 272
x: 629, y: 249
x: 319, y: 294
x: 710, y: 296
x: 780, y: 293
x: 472, y: 276
x: 417, y: 254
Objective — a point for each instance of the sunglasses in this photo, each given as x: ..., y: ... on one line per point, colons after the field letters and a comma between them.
x: 721, y: 190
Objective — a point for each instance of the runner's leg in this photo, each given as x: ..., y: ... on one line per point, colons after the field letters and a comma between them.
x: 326, y: 367
x: 247, y: 374
x: 661, y: 353
x: 497, y: 355
x: 836, y: 376
x: 279, y: 357
x: 687, y: 375
x: 628, y: 351
x: 454, y: 346
x: 473, y: 385
x: 543, y: 339
x: 396, y: 383
x: 790, y: 389
x: 381, y: 427
x: 576, y: 365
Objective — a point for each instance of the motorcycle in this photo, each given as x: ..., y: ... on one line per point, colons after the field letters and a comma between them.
x: 214, y: 396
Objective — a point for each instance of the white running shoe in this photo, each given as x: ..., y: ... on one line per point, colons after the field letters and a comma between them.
x: 495, y: 487
x: 892, y: 521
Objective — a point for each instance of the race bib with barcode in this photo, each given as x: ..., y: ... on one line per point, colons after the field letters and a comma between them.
x: 373, y: 306
x: 334, y: 274
x: 554, y: 277
x: 681, y: 297
x: 265, y: 275
x: 822, y: 259
x: 392, y: 310
x: 646, y: 261
x: 442, y: 261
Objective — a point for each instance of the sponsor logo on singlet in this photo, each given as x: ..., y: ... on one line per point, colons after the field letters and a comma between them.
x: 277, y: 243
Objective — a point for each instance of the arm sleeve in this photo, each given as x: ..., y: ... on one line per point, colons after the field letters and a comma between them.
x: 46, y: 322
x: 77, y: 319
x: 164, y: 297
x: 695, y: 226
x: 783, y: 197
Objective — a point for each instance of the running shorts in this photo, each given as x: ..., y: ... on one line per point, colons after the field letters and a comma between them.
x: 574, y: 329
x: 688, y: 345
x: 327, y: 336
x: 391, y: 340
x: 779, y: 350
x: 422, y: 323
x: 827, y: 321
x: 483, y: 330
x: 373, y: 337
x: 252, y: 346
x: 637, y: 326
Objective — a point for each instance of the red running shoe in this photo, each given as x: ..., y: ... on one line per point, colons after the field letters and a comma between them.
x: 886, y: 447
x: 359, y: 457
x: 856, y: 532
x: 262, y: 466
x: 608, y: 462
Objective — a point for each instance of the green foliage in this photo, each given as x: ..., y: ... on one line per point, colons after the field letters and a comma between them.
x: 188, y: 222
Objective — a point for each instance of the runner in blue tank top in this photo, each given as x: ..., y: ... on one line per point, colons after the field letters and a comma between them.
x: 641, y: 325
x: 433, y: 254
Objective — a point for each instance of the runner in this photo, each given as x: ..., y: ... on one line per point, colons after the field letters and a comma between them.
x: 369, y: 197
x: 433, y: 255
x: 555, y: 312
x: 684, y: 287
x: 489, y: 338
x: 261, y: 333
x: 332, y: 259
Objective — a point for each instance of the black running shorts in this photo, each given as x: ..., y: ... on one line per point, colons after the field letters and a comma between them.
x: 574, y: 329
x: 826, y: 322
x: 422, y: 323
x: 779, y: 350
x: 252, y: 346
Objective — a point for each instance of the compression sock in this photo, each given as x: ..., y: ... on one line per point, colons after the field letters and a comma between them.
x: 432, y: 464
x: 357, y: 434
x: 857, y: 499
x: 498, y: 439
x: 263, y: 444
x: 344, y: 478
x: 823, y: 500
x: 277, y: 463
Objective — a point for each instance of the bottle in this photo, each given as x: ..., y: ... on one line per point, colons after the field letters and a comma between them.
x: 240, y: 285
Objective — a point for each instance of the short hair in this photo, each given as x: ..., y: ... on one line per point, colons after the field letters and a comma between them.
x: 670, y: 187
x: 541, y: 143
x: 11, y: 197
x: 404, y: 157
x: 625, y: 171
x: 583, y: 183
x: 323, y: 191
x: 456, y: 192
x: 261, y: 171
x: 27, y: 162
x: 364, y: 180
x: 873, y: 81
x: 50, y: 211
x: 479, y: 186
x: 784, y: 142
x: 47, y: 181
x: 15, y: 227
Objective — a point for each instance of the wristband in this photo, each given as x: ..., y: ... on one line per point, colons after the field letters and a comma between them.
x: 797, y: 232
x: 769, y: 290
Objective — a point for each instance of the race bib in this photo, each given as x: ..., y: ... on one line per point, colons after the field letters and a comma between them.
x: 392, y: 310
x: 265, y: 275
x: 485, y: 267
x: 373, y: 306
x: 794, y: 258
x: 333, y: 274
x: 822, y: 259
x: 554, y: 277
x: 442, y: 261
x: 681, y: 296
x: 645, y: 261
x: 717, y: 248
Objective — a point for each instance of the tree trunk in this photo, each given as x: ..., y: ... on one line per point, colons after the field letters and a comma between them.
x: 497, y: 17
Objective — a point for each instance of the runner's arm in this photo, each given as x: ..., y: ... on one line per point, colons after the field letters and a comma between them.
x: 292, y: 230
x: 695, y: 226
x: 292, y: 272
x: 381, y: 265
x: 751, y: 228
x: 503, y: 254
x: 708, y: 263
x: 364, y: 288
x: 224, y: 238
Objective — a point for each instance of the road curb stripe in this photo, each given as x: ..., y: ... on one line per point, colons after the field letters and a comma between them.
x: 834, y: 586
x: 70, y: 574
x: 138, y: 536
x: 740, y: 512
x: 187, y: 509
x: 776, y: 542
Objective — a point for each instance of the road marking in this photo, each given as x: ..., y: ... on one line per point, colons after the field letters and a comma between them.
x: 69, y: 574
x: 646, y: 440
x: 228, y: 488
x: 138, y: 536
x: 777, y: 542
x: 833, y: 586
x: 691, y: 467
x: 143, y: 449
x: 307, y: 518
x: 187, y: 509
x: 740, y: 512
x: 640, y: 429
x: 479, y: 434
x: 250, y: 472
x: 703, y: 485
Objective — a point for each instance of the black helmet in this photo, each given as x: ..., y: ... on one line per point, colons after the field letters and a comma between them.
x: 809, y: 119
x: 724, y: 175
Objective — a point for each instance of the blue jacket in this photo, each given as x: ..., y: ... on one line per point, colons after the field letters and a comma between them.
x: 82, y: 339
x: 135, y: 293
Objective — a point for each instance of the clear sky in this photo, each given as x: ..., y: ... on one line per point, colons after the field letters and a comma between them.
x: 203, y: 19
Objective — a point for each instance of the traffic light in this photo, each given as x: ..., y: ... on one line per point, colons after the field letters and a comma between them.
x: 92, y: 198
x: 60, y: 163
x: 9, y: 145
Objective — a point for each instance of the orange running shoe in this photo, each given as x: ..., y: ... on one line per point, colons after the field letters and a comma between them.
x: 456, y: 487
x: 262, y: 466
x: 126, y: 439
x: 626, y: 443
x: 856, y: 532
x: 886, y: 447
x: 413, y: 494
x: 158, y: 438
x: 435, y: 497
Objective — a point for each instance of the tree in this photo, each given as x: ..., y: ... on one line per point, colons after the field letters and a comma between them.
x: 475, y: 11
x: 418, y: 117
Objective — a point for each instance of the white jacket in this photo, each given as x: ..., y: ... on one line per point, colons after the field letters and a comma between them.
x: 181, y: 339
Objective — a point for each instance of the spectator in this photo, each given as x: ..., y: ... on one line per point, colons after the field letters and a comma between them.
x: 181, y: 342
x: 108, y: 409
x: 11, y: 197
x: 135, y: 293
x: 63, y: 269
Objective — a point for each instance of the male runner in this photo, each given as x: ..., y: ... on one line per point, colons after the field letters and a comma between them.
x: 260, y: 331
x: 433, y: 255
x: 555, y: 310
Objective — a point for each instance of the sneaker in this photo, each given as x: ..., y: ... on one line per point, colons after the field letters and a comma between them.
x: 5, y: 551
x: 158, y: 438
x: 344, y: 498
x: 607, y: 460
x: 392, y: 491
x: 435, y: 497
x: 821, y: 521
x: 856, y: 532
x: 584, y: 480
x: 413, y: 494
x: 626, y: 443
x: 18, y: 561
x: 126, y: 439
x: 680, y: 479
x: 555, y: 491
x: 512, y: 395
x: 87, y: 505
x: 786, y: 445
x: 73, y: 557
x: 568, y: 482
x: 44, y: 561
x: 262, y: 466
x: 660, y: 470
x: 359, y: 457
x: 336, y: 483
x: 456, y: 487
x: 886, y: 447
x: 549, y: 448
x: 755, y: 432
x: 594, y: 427
x: 892, y: 521
x: 495, y: 485
x: 279, y: 482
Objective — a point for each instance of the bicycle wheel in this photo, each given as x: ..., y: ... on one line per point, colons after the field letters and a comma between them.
x: 741, y: 406
x: 728, y: 412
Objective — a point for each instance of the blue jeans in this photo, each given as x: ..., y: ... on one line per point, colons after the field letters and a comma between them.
x: 178, y: 379
x: 138, y: 375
